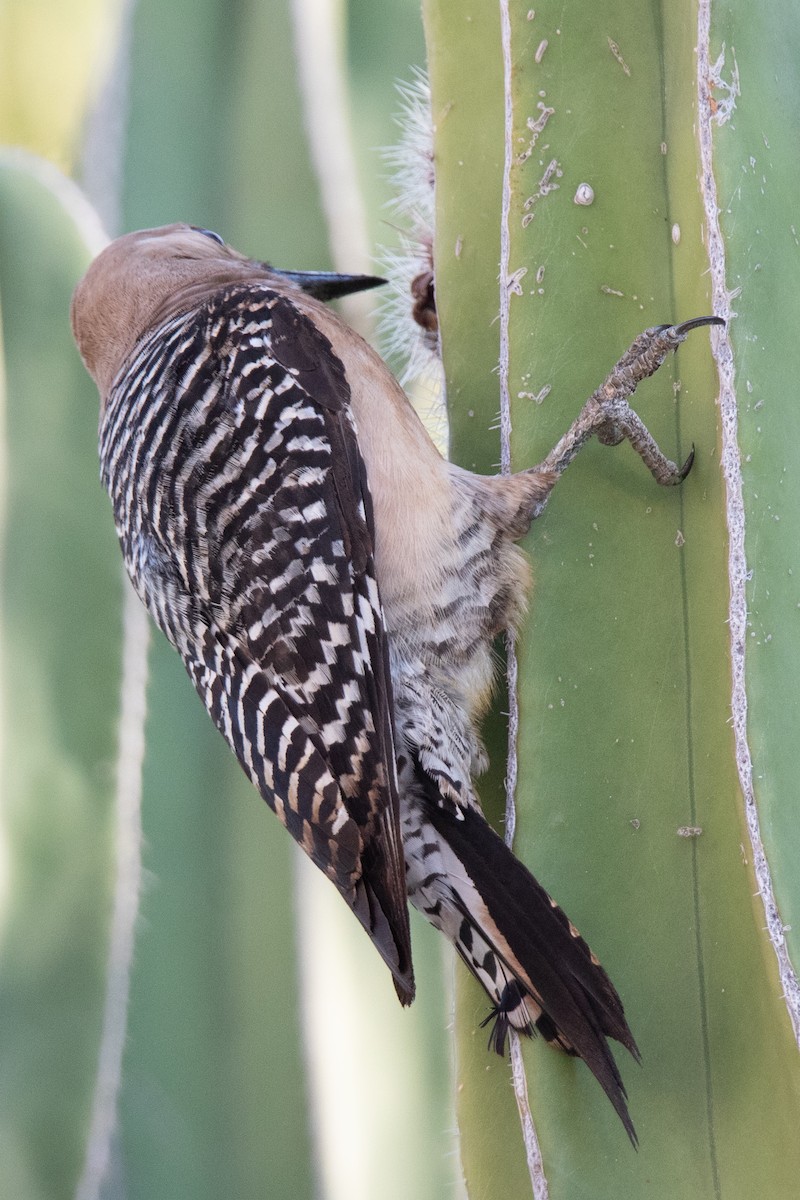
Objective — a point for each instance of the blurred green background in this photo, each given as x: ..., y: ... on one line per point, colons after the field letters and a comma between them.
x: 265, y: 1053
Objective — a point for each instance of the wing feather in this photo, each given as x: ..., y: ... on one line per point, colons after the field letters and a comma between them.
x: 247, y: 528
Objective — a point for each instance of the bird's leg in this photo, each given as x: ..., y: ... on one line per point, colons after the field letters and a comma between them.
x: 608, y: 414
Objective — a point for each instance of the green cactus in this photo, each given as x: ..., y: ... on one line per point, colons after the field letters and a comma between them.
x: 625, y: 741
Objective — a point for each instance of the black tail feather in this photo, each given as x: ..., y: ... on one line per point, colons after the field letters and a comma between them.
x: 580, y: 1005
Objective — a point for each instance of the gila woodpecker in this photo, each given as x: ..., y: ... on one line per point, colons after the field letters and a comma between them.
x: 333, y: 586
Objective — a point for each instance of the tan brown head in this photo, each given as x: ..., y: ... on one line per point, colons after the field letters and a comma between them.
x: 144, y: 278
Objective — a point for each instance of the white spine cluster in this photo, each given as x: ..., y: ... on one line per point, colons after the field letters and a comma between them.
x: 411, y: 348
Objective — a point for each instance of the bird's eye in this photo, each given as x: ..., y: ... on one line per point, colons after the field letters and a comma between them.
x: 209, y: 233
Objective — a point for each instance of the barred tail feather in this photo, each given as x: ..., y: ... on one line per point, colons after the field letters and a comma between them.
x: 538, y: 971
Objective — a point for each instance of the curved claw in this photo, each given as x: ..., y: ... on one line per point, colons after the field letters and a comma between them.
x: 687, y: 326
x: 663, y: 471
x: 696, y: 323
x: 687, y: 466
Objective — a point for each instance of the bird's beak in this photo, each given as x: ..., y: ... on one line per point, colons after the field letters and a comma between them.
x: 327, y: 285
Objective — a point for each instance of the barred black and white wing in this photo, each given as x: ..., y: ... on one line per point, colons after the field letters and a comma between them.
x: 241, y: 503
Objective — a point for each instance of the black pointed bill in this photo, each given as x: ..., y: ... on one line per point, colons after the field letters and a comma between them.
x: 327, y: 285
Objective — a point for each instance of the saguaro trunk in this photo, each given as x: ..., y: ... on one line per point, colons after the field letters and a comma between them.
x: 583, y: 155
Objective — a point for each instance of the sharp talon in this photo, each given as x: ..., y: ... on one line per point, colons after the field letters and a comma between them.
x: 680, y: 474
x: 666, y: 473
x: 687, y: 466
x: 696, y: 323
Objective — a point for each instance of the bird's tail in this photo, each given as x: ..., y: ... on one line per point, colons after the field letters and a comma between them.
x: 538, y: 971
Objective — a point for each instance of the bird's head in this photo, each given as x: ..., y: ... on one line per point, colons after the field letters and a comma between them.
x: 142, y: 279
